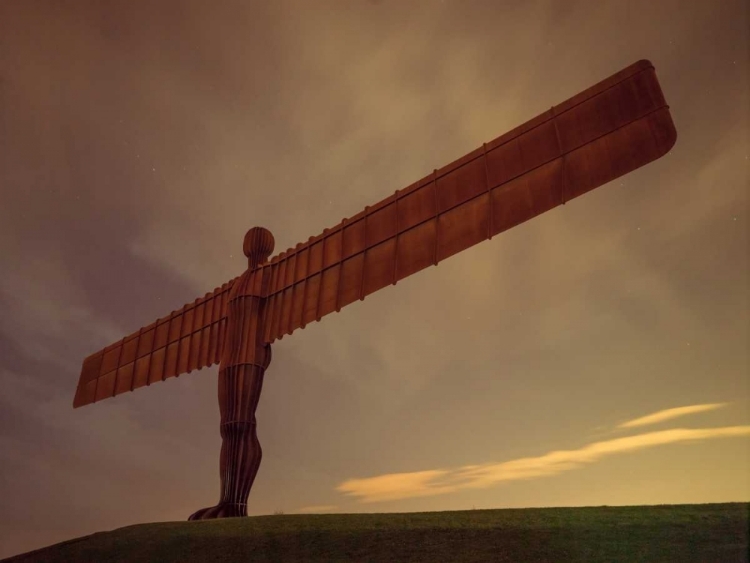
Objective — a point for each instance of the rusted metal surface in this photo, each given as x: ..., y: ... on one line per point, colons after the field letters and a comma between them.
x: 604, y: 132
x: 244, y: 360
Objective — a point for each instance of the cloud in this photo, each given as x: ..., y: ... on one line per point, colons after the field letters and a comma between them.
x: 44, y: 306
x: 668, y: 414
x: 396, y: 486
x: 317, y: 508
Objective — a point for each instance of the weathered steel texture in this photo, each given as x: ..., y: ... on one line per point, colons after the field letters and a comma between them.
x: 243, y: 362
x: 614, y: 127
x: 606, y: 131
x: 187, y: 339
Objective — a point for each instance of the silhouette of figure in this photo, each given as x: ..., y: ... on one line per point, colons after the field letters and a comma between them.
x: 244, y: 360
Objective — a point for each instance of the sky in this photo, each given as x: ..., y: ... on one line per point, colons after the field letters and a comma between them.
x: 596, y: 355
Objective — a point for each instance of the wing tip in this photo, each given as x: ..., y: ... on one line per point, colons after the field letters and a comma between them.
x: 664, y: 131
x: 78, y: 400
x: 671, y: 137
x: 643, y: 64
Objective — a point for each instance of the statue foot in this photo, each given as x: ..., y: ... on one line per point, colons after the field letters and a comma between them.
x: 221, y: 510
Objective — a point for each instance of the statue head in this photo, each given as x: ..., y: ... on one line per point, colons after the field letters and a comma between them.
x: 258, y: 246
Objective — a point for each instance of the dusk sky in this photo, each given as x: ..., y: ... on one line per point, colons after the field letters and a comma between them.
x: 595, y: 355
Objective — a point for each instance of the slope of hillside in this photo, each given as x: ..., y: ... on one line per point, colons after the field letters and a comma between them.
x: 685, y: 533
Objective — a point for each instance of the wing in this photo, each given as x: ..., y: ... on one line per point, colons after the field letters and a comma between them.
x: 187, y: 339
x: 604, y: 132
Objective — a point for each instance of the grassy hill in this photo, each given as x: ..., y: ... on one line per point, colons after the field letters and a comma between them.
x: 681, y: 533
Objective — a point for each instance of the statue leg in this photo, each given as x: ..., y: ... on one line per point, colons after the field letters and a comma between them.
x: 239, y: 392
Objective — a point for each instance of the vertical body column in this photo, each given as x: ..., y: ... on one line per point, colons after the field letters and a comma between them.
x: 240, y: 384
x: 244, y: 360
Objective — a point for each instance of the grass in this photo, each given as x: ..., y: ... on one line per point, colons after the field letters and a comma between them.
x: 704, y: 533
